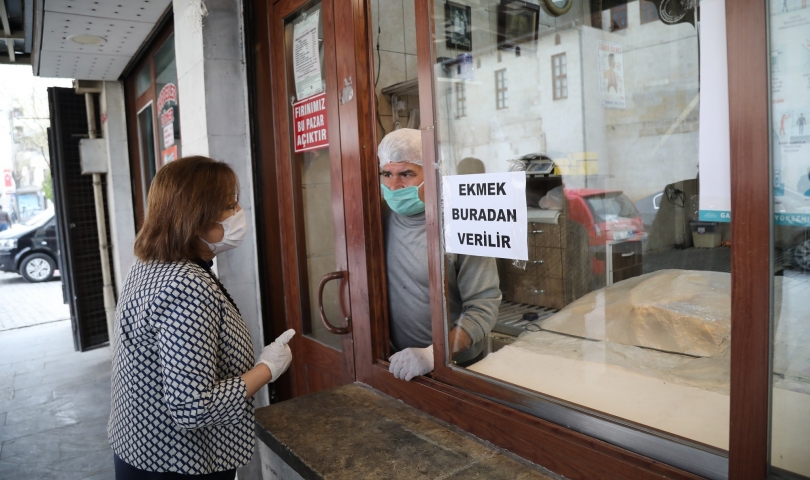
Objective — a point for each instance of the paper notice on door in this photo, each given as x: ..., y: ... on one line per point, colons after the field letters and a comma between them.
x: 306, y: 57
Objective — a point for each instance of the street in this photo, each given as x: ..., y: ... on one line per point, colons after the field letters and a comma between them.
x: 23, y: 304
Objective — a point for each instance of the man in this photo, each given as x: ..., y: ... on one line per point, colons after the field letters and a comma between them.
x: 5, y: 220
x: 473, y: 295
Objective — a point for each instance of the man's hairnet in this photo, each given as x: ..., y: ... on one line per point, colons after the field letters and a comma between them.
x: 403, y: 145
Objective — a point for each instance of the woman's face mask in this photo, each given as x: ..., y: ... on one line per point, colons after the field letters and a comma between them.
x: 235, y: 228
x: 404, y: 201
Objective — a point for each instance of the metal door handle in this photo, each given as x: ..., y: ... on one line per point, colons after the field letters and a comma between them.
x: 537, y: 231
x: 333, y: 329
x: 539, y: 262
x: 628, y: 254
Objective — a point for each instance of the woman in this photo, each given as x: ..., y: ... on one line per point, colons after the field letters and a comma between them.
x: 182, y: 374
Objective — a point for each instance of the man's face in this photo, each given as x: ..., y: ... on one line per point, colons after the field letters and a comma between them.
x: 401, y: 175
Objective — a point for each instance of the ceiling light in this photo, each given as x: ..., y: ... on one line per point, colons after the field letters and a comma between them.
x: 88, y: 39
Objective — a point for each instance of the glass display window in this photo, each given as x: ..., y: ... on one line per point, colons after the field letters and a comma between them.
x: 577, y: 276
x: 153, y: 101
x: 606, y: 287
x: 790, y: 159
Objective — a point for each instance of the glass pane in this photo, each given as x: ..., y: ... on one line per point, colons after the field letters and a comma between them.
x: 143, y: 81
x: 168, y: 101
x: 604, y: 299
x: 146, y: 137
x: 790, y: 157
x: 303, y: 36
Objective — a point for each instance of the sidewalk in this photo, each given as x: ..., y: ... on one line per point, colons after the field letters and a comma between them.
x: 24, y: 304
x: 54, y: 404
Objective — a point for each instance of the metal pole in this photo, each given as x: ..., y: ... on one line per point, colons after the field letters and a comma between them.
x: 103, y: 246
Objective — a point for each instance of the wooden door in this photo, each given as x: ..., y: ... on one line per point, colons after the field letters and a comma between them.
x: 310, y: 187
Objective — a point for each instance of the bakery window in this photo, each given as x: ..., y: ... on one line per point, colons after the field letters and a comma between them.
x: 587, y: 262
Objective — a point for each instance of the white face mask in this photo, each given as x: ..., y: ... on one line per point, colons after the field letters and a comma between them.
x: 235, y: 230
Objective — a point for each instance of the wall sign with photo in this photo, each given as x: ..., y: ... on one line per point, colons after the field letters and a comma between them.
x: 518, y: 22
x: 458, y: 26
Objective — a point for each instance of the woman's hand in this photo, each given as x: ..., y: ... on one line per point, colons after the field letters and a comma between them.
x: 274, y: 360
x: 278, y: 356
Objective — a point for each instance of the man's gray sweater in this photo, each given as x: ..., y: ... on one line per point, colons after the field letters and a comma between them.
x: 473, y: 287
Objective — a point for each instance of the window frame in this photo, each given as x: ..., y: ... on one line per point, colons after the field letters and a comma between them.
x: 619, y: 9
x: 461, y: 398
x: 644, y: 7
x: 563, y: 76
x: 501, y: 92
x: 461, y: 99
x: 136, y: 103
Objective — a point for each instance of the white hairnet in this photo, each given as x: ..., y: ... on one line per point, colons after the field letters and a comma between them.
x: 403, y: 145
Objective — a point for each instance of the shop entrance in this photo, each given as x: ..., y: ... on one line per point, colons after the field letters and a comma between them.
x: 310, y: 175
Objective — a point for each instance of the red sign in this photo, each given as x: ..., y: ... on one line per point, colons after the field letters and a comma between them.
x: 167, y: 116
x: 169, y: 155
x: 167, y: 94
x: 309, y: 123
x: 7, y: 177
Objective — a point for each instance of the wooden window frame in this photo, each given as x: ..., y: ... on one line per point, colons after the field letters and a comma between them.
x: 457, y: 397
x: 134, y: 104
x: 618, y: 9
x: 501, y: 102
x: 562, y: 76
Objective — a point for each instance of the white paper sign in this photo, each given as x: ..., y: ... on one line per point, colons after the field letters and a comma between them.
x: 485, y: 215
x: 306, y: 57
x: 714, y: 150
x: 168, y: 135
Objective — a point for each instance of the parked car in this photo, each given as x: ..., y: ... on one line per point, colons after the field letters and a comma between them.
x: 608, y: 215
x: 648, y: 208
x: 30, y: 248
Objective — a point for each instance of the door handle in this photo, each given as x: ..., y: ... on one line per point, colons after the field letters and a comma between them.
x: 333, y: 329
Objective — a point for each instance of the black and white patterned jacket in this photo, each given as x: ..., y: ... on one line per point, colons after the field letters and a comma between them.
x: 179, y: 348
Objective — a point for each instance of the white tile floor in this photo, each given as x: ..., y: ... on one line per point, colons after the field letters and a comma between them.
x: 54, y: 406
x: 23, y: 304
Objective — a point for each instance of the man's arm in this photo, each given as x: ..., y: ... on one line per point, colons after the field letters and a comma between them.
x: 480, y: 291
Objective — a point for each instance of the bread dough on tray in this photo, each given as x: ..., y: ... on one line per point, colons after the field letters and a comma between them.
x: 678, y: 311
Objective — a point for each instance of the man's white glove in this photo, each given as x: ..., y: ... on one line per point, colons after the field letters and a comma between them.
x: 411, y: 362
x: 278, y: 356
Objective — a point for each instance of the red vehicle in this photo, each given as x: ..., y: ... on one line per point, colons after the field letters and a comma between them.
x: 608, y: 215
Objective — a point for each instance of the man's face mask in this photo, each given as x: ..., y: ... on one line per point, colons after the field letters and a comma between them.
x: 404, y: 201
x: 235, y: 228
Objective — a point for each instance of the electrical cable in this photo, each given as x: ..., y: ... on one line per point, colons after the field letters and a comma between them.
x: 377, y: 77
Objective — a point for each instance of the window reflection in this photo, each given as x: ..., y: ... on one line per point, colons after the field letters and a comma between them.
x: 623, y: 305
x: 790, y: 157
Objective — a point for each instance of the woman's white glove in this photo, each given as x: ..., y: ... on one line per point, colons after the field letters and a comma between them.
x: 411, y: 362
x: 278, y: 356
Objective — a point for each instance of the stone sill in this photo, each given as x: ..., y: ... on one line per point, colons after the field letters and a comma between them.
x: 355, y: 432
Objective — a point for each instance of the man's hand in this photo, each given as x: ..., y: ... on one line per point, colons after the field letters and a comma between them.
x: 458, y: 340
x: 411, y: 362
